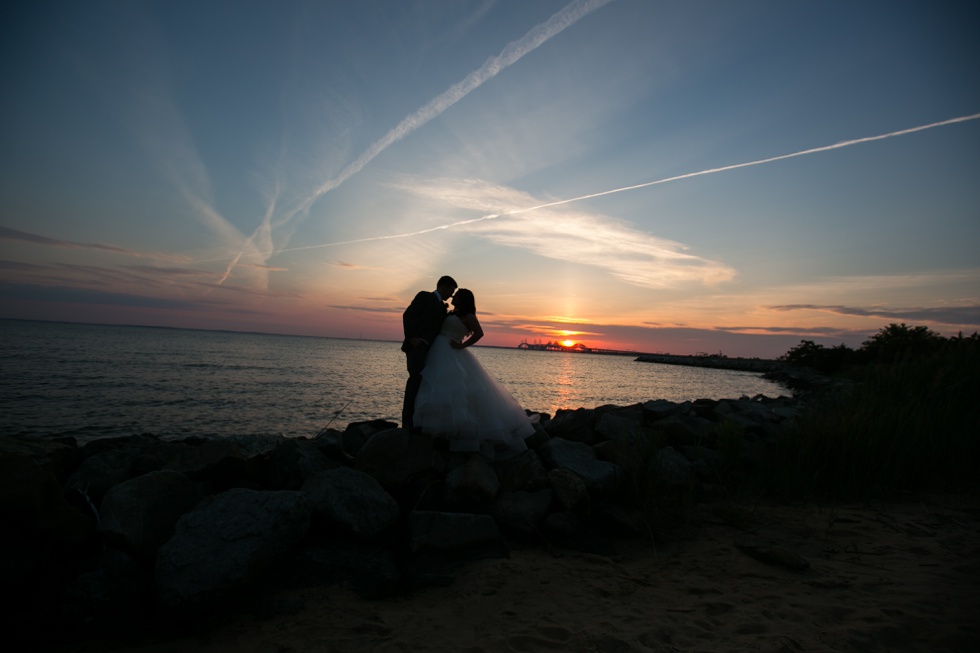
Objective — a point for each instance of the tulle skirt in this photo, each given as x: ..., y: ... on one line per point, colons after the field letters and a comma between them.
x: 459, y: 399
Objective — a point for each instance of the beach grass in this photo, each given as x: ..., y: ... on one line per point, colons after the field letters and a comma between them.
x: 909, y: 423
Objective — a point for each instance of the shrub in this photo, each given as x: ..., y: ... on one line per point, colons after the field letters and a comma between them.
x: 910, y: 423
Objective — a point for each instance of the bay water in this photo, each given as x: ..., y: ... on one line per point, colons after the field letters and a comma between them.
x: 90, y: 381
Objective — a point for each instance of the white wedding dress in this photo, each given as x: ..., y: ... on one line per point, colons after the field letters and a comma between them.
x: 459, y: 399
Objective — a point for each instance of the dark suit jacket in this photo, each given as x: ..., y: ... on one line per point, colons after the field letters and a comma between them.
x: 423, y: 318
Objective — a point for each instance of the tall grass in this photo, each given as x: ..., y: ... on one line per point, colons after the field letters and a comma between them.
x: 911, y: 423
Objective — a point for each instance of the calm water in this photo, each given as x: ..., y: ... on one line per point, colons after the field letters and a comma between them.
x: 92, y: 381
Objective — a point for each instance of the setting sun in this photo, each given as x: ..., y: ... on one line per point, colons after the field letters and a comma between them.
x: 567, y: 343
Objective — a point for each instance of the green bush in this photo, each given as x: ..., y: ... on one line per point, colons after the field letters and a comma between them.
x: 910, y: 423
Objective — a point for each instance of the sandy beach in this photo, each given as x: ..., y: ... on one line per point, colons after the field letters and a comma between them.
x: 890, y: 576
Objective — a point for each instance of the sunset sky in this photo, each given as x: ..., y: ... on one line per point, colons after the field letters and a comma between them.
x: 683, y: 177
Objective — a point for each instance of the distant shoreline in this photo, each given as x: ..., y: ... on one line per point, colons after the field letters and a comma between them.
x: 710, y: 361
x: 759, y: 365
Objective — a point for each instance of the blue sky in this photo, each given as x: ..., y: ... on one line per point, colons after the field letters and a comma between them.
x: 686, y: 177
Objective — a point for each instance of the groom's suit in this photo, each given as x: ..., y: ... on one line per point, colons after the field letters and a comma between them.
x: 422, y: 319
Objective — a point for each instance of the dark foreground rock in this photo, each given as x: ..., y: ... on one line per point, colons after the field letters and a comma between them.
x: 122, y: 535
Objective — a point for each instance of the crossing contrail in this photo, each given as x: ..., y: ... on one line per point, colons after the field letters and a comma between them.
x: 689, y: 175
x: 511, y: 54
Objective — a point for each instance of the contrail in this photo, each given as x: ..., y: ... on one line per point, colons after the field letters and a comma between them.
x: 689, y: 175
x: 511, y: 54
x: 825, y: 148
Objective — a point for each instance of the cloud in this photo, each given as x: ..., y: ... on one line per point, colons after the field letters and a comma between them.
x: 951, y: 315
x: 633, y: 256
x: 824, y: 331
x: 75, y: 295
x: 8, y: 233
x: 511, y: 54
x: 367, y: 309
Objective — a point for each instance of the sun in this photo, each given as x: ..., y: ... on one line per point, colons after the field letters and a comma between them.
x: 567, y: 343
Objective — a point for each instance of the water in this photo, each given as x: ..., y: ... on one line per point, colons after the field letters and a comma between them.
x: 90, y: 381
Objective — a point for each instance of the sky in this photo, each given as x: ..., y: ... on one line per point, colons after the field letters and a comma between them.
x: 712, y: 176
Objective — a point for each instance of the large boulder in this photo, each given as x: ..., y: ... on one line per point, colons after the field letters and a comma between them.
x: 358, y: 433
x: 575, y: 425
x: 599, y: 475
x: 571, y: 493
x: 395, y: 456
x: 349, y: 502
x: 140, y: 514
x: 523, y: 472
x: 222, y: 548
x: 101, y: 471
x: 473, y: 484
x: 37, y: 519
x: 61, y: 456
x: 294, y: 461
x: 32, y: 502
x: 522, y: 513
x: 621, y: 425
x: 671, y: 468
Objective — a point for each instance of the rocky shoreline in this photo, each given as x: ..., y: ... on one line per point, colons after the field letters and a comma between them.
x: 121, y: 536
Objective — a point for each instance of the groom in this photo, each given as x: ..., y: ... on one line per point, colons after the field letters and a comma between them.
x: 422, y: 321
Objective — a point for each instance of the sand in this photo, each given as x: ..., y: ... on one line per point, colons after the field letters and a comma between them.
x: 897, y: 576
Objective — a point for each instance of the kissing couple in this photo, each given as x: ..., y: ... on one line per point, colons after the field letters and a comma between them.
x: 448, y: 393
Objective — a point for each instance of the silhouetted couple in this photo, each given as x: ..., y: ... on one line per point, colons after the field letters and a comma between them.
x: 448, y: 392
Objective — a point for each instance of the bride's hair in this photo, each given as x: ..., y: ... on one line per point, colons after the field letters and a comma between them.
x: 463, y: 302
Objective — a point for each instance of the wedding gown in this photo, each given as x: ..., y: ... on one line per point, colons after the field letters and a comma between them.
x: 460, y: 399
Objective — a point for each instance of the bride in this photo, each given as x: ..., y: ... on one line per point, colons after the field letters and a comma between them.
x: 459, y: 399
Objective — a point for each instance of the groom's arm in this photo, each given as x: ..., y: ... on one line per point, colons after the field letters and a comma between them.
x: 413, y: 319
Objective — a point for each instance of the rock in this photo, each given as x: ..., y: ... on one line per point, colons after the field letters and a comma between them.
x: 32, y: 504
x: 473, y: 484
x: 571, y: 493
x: 522, y: 513
x: 99, y: 472
x: 221, y: 462
x: 60, y: 457
x: 219, y: 550
x: 524, y: 472
x: 573, y: 425
x: 350, y: 502
x: 394, y: 456
x: 599, y: 476
x: 705, y: 461
x: 140, y: 514
x: 685, y: 429
x: 294, y: 461
x: 661, y: 408
x: 670, y: 467
x: 358, y: 433
x: 621, y: 426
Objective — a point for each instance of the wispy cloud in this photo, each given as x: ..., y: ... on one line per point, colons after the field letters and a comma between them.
x: 951, y: 315
x: 633, y: 256
x: 511, y: 54
x: 459, y: 193
x: 8, y: 233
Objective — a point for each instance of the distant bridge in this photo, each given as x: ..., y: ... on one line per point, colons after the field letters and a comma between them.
x: 577, y: 348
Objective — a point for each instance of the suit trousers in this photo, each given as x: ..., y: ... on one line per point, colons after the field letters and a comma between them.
x: 415, y: 357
